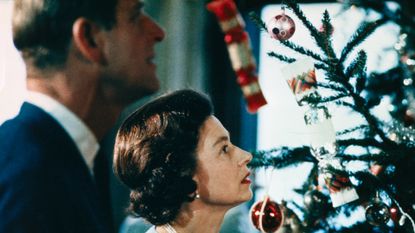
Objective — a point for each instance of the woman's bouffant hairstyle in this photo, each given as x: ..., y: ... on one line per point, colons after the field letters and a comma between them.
x: 42, y: 29
x: 155, y: 154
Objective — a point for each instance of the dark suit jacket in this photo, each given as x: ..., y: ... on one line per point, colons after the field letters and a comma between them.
x: 45, y: 185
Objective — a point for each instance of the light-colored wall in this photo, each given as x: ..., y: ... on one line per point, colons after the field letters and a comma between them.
x: 12, y: 71
x: 181, y: 55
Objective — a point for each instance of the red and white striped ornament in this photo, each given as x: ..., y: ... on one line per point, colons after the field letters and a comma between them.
x: 240, y: 52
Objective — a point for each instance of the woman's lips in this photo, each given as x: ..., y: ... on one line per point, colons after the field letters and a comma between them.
x: 246, y: 179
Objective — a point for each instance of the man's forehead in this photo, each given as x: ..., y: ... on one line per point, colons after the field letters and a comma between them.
x: 140, y: 2
x: 132, y: 3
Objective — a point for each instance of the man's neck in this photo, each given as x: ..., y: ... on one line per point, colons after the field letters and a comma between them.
x: 79, y: 93
x: 71, y: 92
x: 102, y: 116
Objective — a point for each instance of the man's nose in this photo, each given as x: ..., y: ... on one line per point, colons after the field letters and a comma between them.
x: 157, y: 31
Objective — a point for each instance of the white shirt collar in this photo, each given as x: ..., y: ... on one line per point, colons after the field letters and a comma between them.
x: 83, y: 137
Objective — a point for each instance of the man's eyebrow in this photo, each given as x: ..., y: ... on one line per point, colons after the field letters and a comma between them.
x: 136, y: 10
x: 140, y: 4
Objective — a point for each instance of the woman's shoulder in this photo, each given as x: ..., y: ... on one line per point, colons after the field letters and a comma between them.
x: 152, y: 230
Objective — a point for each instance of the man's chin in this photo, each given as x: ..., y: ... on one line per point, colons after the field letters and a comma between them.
x: 154, y: 87
x: 151, y: 85
x: 134, y: 94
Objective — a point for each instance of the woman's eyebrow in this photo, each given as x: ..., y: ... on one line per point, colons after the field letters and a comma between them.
x: 221, y: 139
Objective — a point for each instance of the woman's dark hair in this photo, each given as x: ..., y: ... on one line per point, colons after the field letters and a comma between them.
x: 155, y: 154
x: 42, y: 29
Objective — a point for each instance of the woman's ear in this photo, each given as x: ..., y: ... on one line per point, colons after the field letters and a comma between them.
x: 195, y: 178
x: 87, y: 38
x: 195, y: 194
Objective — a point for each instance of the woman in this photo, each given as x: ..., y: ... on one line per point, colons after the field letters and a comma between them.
x: 178, y: 161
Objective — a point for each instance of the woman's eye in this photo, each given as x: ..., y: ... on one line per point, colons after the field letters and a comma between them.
x: 225, y: 149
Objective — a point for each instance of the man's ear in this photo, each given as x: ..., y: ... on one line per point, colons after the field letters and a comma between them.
x: 87, y: 37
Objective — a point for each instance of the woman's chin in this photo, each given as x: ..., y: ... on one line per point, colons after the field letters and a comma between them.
x: 247, y: 196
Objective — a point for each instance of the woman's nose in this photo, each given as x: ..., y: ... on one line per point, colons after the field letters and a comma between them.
x: 246, y: 157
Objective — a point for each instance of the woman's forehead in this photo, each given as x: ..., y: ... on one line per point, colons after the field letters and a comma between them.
x: 211, y: 131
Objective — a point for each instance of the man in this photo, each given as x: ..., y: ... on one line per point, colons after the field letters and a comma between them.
x: 85, y: 61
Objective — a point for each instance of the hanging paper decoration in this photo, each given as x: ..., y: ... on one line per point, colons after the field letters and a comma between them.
x: 240, y: 52
x: 301, y: 79
x: 338, y: 183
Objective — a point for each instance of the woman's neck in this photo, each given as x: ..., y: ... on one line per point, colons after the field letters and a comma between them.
x: 196, y: 219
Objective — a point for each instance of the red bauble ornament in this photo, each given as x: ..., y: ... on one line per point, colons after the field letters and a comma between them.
x: 395, y: 214
x: 266, y: 215
x: 281, y: 27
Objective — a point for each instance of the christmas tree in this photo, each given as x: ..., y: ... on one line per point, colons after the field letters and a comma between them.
x: 384, y: 186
